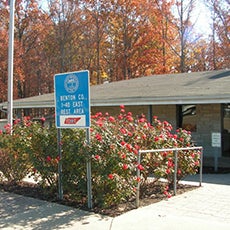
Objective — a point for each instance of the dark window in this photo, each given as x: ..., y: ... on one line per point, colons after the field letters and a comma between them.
x: 186, y: 117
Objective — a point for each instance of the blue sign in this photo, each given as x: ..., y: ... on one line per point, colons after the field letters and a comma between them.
x: 72, y: 100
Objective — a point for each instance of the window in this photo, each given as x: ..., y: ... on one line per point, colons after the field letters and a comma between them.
x: 186, y: 117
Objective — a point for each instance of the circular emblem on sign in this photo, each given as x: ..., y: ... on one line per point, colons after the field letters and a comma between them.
x: 71, y: 83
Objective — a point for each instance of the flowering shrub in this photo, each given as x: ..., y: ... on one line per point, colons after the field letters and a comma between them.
x: 115, y: 142
x: 113, y: 150
x: 14, y: 162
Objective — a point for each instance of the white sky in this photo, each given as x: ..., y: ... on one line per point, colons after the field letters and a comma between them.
x: 203, y: 18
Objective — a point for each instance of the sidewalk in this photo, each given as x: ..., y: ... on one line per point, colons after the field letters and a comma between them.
x: 207, y: 207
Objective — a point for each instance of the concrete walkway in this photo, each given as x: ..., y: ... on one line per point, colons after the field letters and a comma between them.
x: 207, y: 207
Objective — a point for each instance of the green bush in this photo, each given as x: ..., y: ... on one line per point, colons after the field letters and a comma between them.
x: 113, y: 150
x: 14, y: 161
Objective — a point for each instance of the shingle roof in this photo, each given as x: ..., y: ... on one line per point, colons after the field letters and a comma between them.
x: 185, y: 88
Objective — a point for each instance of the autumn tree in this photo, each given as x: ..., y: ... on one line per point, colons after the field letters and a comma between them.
x: 161, y: 18
x: 97, y: 13
x: 114, y: 40
x: 220, y: 39
x: 30, y: 27
x: 183, y: 11
x: 130, y: 40
x: 4, y: 15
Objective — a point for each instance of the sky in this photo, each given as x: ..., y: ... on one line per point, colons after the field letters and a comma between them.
x: 202, y: 19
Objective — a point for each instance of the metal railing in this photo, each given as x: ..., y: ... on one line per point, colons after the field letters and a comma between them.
x: 175, y: 150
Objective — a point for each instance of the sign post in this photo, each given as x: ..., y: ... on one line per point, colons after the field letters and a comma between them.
x: 72, y: 108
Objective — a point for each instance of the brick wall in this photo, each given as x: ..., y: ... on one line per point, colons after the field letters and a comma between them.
x: 208, y: 119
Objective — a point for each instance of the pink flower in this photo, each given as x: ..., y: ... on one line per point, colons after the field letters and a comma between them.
x: 129, y: 147
x: 175, y: 136
x: 99, y: 123
x: 122, y: 106
x: 170, y: 163
x: 123, y: 143
x: 129, y: 134
x: 17, y: 121
x: 193, y: 155
x: 97, y: 157
x: 169, y: 195
x: 129, y: 118
x: 140, y: 167
x: 135, y: 151
x: 43, y: 119
x: 48, y: 158
x: 120, y: 117
x: 110, y: 176
x: 58, y: 158
x: 99, y: 114
x: 167, y: 171
x: 142, y: 119
x: 125, y: 166
x: 98, y: 137
x: 7, y: 126
x: 123, y: 131
x: 111, y: 119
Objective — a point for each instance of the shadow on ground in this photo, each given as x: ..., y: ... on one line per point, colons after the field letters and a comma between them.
x: 19, y: 211
x: 212, y: 178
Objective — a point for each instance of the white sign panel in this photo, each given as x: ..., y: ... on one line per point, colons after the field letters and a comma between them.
x: 216, y: 140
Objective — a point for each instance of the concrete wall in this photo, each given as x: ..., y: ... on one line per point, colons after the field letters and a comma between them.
x: 208, y: 122
x: 115, y: 110
x: 166, y: 113
x: 3, y: 122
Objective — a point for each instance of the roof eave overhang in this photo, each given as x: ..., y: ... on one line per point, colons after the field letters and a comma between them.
x: 130, y: 101
x: 161, y: 101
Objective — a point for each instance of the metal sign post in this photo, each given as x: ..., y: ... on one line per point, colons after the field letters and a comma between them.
x: 88, y: 168
x: 72, y: 110
x: 60, y: 189
x: 216, y: 144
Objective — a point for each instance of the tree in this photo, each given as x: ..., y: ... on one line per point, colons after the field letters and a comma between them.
x: 98, y: 15
x: 184, y: 27
x: 220, y: 39
x: 29, y: 34
x: 164, y: 31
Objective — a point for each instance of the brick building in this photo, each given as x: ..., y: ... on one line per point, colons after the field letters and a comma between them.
x: 199, y: 102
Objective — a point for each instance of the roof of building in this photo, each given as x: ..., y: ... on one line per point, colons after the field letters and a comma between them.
x: 184, y: 88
